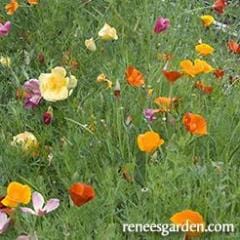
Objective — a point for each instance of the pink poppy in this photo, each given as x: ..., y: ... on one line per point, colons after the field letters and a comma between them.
x: 32, y: 96
x: 5, y: 28
x: 38, y: 205
x: 149, y: 114
x: 161, y: 24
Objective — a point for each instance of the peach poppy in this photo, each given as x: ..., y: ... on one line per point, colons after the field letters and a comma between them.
x: 189, y: 217
x: 33, y: 2
x: 12, y: 7
x: 219, y: 6
x: 204, y: 88
x: 172, y: 76
x: 17, y: 193
x: 149, y: 141
x: 166, y: 103
x: 195, y: 124
x: 233, y: 46
x: 81, y: 193
x: 134, y: 77
x: 219, y: 73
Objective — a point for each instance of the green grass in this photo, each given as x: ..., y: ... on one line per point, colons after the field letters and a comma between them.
x: 183, y: 174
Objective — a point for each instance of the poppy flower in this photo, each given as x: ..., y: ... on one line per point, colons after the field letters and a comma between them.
x: 32, y: 96
x: 5, y: 28
x: 172, y: 76
x: 81, y: 193
x: 108, y: 33
x: 12, y: 7
x: 38, y: 205
x: 195, y: 124
x: 204, y: 88
x: 219, y: 6
x: 26, y: 141
x: 4, y: 222
x: 233, y: 46
x: 102, y: 78
x: 56, y: 86
x: 161, y: 24
x: 3, y: 208
x: 90, y: 44
x: 149, y: 141
x: 166, y: 103
x: 33, y: 2
x: 219, y: 73
x: 134, y: 77
x: 207, y: 20
x: 17, y: 193
x: 149, y: 114
x: 188, y: 218
x: 5, y: 61
x: 204, y: 49
x: 193, y: 69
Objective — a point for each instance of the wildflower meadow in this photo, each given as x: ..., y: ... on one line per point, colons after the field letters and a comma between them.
x: 119, y: 119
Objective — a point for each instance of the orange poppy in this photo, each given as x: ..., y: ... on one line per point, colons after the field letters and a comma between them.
x: 166, y: 103
x: 81, y: 193
x: 172, y: 76
x: 219, y: 6
x: 195, y: 124
x: 134, y: 77
x: 204, y: 88
x: 33, y: 2
x: 12, y: 7
x: 188, y: 218
x: 17, y: 193
x: 193, y: 69
x: 218, y: 73
x: 149, y: 141
x: 233, y: 46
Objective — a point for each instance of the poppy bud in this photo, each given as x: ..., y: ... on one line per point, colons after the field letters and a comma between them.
x: 41, y: 58
x: 48, y: 116
x: 117, y: 89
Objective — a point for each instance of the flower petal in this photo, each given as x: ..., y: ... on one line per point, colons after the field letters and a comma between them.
x: 28, y: 210
x: 38, y: 201
x: 51, y: 205
x: 4, y: 222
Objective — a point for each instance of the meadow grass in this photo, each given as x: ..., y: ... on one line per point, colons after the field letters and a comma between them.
x: 199, y: 173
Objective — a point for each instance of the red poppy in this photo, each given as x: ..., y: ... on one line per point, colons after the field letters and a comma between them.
x: 172, y: 76
x: 233, y: 46
x: 81, y: 193
x: 219, y: 73
x: 204, y: 88
x: 219, y: 6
